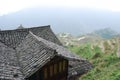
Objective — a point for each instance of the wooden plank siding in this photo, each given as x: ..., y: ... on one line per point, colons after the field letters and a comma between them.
x: 56, y: 69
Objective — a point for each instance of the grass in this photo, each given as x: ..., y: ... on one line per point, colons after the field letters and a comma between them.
x: 106, y: 64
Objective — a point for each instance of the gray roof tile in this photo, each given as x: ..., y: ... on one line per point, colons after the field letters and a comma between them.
x: 13, y: 38
x: 9, y: 64
x: 79, y: 65
x: 33, y: 54
x: 24, y: 51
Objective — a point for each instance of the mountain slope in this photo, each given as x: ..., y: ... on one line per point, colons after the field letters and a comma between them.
x: 71, y: 20
x: 97, y: 35
x: 106, y: 33
x: 106, y: 62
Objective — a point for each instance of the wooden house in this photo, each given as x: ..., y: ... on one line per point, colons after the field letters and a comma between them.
x: 37, y: 54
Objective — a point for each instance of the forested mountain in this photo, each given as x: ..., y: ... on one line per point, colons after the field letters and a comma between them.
x: 97, y: 35
x: 62, y: 19
x: 106, y: 33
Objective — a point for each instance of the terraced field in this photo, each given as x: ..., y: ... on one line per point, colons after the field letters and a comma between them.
x: 104, y: 55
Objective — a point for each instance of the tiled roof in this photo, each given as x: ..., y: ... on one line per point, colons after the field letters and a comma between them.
x: 9, y: 66
x: 78, y: 65
x: 33, y: 54
x: 60, y: 49
x: 24, y: 51
x: 13, y: 38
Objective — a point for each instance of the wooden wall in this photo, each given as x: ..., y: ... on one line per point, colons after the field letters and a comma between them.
x: 56, y: 69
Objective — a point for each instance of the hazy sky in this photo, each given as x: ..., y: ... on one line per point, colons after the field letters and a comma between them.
x: 8, y: 6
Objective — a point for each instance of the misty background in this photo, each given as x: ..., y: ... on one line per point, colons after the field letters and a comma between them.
x: 63, y: 19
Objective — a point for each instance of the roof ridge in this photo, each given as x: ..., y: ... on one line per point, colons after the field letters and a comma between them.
x: 25, y: 28
x: 46, y: 42
x: 37, y: 38
x: 45, y: 48
x: 13, y: 38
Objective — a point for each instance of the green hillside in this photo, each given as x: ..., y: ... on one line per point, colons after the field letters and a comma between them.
x: 68, y: 39
x: 100, y: 48
x: 106, y: 33
x: 104, y: 58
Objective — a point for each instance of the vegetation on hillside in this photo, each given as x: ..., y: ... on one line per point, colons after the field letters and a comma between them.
x: 106, y: 63
x: 100, y: 48
x: 106, y: 33
x: 68, y: 39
